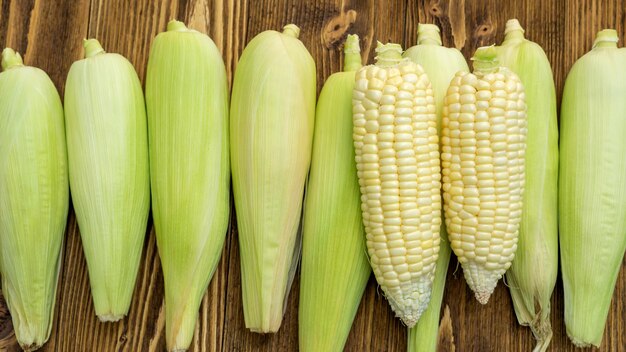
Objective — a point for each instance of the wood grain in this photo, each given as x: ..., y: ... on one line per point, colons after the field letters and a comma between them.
x: 50, y: 34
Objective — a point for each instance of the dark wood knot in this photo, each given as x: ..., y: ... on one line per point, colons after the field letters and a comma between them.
x: 484, y: 30
x: 336, y: 29
x: 435, y: 8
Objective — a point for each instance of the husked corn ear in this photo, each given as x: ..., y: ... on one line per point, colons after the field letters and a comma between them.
x: 107, y: 141
x: 483, y: 149
x: 532, y: 275
x: 335, y: 269
x: 592, y: 186
x: 440, y: 64
x: 272, y: 120
x: 397, y: 157
x: 34, y: 197
x: 187, y: 104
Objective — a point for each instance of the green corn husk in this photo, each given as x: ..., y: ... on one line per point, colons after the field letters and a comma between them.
x: 592, y: 186
x: 272, y: 117
x: 107, y: 141
x: 34, y: 197
x: 187, y: 101
x: 440, y: 64
x: 335, y: 267
x: 532, y: 275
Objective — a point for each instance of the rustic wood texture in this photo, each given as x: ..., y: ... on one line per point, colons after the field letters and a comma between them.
x: 50, y: 35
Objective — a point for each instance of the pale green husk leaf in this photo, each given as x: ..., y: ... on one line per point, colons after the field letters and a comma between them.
x: 272, y: 117
x: 335, y: 268
x: 107, y: 141
x: 34, y: 197
x: 187, y: 105
x: 592, y: 187
x: 532, y: 275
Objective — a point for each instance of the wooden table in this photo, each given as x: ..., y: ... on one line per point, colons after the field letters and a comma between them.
x: 50, y: 35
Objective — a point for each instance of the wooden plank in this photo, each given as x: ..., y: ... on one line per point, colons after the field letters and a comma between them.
x: 50, y: 34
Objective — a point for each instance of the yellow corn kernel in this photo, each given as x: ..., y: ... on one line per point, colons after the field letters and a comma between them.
x: 483, y: 150
x: 397, y: 156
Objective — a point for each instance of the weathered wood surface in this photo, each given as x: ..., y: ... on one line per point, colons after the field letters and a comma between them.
x: 49, y: 33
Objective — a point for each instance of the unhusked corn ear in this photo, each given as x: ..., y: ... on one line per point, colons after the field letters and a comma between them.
x: 335, y: 269
x: 483, y: 149
x: 187, y: 101
x: 440, y: 64
x: 592, y: 186
x: 532, y: 275
x: 397, y: 157
x: 272, y: 118
x: 107, y: 141
x: 34, y: 197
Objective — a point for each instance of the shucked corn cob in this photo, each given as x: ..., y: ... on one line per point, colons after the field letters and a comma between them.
x: 187, y: 101
x: 592, y: 186
x: 484, y: 141
x: 107, y: 141
x: 272, y: 118
x: 397, y: 156
x: 440, y: 64
x: 34, y: 197
x: 533, y: 272
x: 335, y: 269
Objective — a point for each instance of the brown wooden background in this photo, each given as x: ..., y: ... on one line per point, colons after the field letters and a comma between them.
x: 50, y: 35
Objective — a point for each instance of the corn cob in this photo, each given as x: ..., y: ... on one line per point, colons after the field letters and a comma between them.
x: 484, y: 141
x: 335, y: 269
x: 440, y: 64
x: 592, y: 186
x: 533, y: 272
x: 107, y: 141
x: 34, y: 197
x: 272, y: 117
x: 187, y: 101
x: 397, y: 157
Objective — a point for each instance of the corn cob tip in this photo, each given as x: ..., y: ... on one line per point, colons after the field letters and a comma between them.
x: 428, y: 34
x: 10, y: 59
x: 482, y: 297
x: 292, y: 30
x: 388, y: 55
x: 410, y: 303
x: 351, y: 54
x: 92, y: 47
x: 481, y: 280
x: 176, y: 26
x: 351, y: 46
x: 110, y: 318
x: 606, y: 38
x: 485, y: 59
x: 513, y: 25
